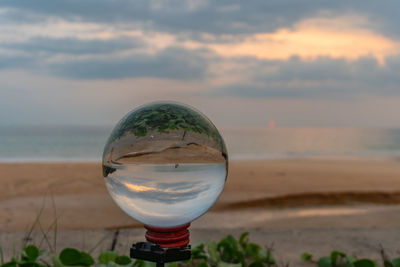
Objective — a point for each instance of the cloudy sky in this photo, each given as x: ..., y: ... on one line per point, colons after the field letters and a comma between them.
x: 243, y: 63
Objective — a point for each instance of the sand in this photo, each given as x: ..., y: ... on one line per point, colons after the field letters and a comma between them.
x: 299, y: 206
x: 268, y: 193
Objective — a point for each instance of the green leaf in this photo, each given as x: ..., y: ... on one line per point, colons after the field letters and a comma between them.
x: 270, y: 259
x: 113, y: 264
x: 350, y: 259
x: 256, y: 264
x: 141, y: 131
x: 254, y: 251
x: 243, y: 239
x: 12, y: 263
x: 335, y: 255
x: 198, y: 252
x: 123, y: 260
x: 86, y: 259
x: 212, y: 251
x: 73, y: 257
x: 30, y: 264
x: 325, y: 262
x: 70, y: 256
x: 107, y: 256
x: 365, y: 263
x: 141, y: 263
x: 32, y: 253
x: 228, y: 248
x: 56, y: 261
x: 203, y: 264
x: 306, y: 256
x: 226, y: 264
x: 228, y: 242
x: 396, y: 262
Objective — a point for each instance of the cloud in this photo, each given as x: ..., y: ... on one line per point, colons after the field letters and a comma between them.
x: 322, y: 78
x: 258, y: 29
x: 256, y: 49
x: 217, y: 17
x: 345, y: 37
x: 172, y: 63
x: 340, y: 37
x: 16, y: 62
x: 152, y: 191
x: 113, y: 57
x: 162, y: 14
x: 73, y: 45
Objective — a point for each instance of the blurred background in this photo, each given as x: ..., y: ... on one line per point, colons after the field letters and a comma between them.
x: 280, y: 79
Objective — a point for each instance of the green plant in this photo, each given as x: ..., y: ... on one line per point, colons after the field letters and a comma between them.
x: 231, y: 252
x: 340, y: 259
x: 30, y: 256
x: 228, y: 252
x: 161, y: 118
x: 165, y: 117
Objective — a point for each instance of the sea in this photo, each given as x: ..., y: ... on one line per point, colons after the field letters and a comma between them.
x: 86, y: 143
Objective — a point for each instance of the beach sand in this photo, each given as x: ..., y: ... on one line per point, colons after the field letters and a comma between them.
x: 265, y: 193
x: 298, y: 205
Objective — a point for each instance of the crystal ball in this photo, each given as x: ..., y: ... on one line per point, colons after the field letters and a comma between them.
x: 165, y: 164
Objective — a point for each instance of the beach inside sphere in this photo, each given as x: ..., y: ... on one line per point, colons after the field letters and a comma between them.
x: 166, y: 195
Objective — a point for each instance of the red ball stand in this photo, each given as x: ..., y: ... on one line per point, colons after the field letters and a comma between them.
x: 168, y: 237
x: 164, y: 245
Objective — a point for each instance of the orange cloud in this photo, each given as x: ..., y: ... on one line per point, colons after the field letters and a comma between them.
x: 344, y: 37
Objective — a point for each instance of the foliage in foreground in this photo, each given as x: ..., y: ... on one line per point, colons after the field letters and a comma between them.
x: 340, y: 259
x: 231, y: 252
x: 228, y: 252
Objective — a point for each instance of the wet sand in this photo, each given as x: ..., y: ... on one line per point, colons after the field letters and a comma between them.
x: 268, y: 193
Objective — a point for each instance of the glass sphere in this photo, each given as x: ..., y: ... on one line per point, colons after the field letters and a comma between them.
x: 165, y: 164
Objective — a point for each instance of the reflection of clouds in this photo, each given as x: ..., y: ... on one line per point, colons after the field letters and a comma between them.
x: 155, y: 195
x: 168, y: 193
x: 136, y: 211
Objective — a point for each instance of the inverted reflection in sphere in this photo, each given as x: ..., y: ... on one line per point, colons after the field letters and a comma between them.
x: 165, y: 164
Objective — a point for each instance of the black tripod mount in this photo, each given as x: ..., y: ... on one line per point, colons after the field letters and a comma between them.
x: 152, y: 252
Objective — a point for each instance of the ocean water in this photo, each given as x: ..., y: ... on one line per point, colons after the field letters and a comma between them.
x: 43, y: 144
x: 165, y: 195
x: 32, y: 144
x: 275, y: 143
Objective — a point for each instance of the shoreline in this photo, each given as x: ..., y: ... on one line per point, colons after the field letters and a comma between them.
x: 232, y: 158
